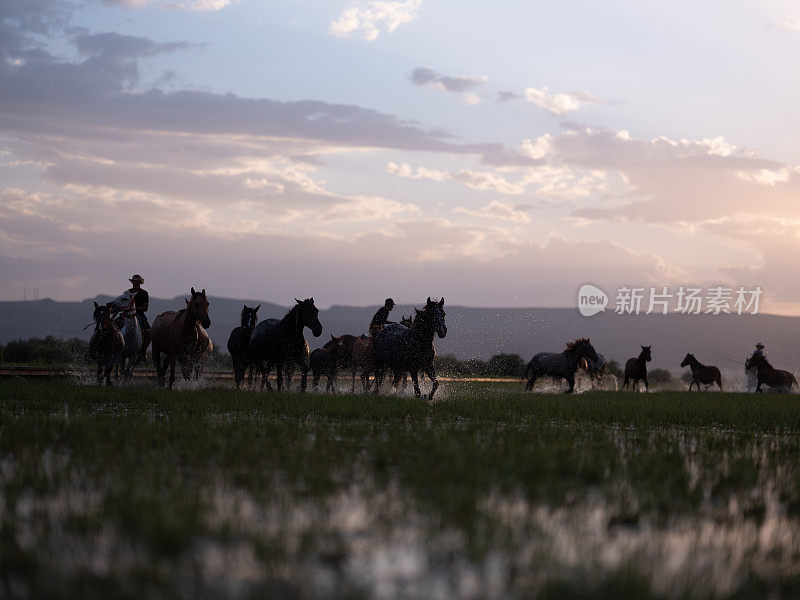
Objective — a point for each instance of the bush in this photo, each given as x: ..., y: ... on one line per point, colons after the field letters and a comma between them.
x: 505, y: 365
x: 613, y: 367
x: 47, y: 351
x: 660, y: 376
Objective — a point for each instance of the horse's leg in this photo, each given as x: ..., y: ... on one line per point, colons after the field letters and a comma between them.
x: 380, y: 372
x: 303, y: 377
x: 279, y: 375
x: 109, y: 367
x: 315, y: 375
x: 265, y: 377
x: 531, y: 381
x: 99, y: 373
x: 172, y: 358
x: 571, y: 381
x: 647, y: 386
x: 353, y: 380
x: 431, y: 373
x: 415, y: 379
x: 396, y: 379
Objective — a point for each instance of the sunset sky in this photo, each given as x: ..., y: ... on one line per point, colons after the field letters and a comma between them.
x: 498, y: 154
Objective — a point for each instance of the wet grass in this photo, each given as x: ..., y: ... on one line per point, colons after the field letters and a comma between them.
x: 487, y: 492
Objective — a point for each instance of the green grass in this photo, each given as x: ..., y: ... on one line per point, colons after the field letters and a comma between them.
x: 143, y: 492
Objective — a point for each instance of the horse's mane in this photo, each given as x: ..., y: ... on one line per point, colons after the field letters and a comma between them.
x: 575, y: 343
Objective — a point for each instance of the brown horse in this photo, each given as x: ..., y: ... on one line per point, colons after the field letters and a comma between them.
x: 705, y: 374
x: 105, y: 344
x: 777, y: 379
x: 178, y: 336
x: 636, y: 368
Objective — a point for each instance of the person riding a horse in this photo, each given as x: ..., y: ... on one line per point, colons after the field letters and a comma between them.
x: 381, y: 317
x: 141, y: 301
x: 759, y: 349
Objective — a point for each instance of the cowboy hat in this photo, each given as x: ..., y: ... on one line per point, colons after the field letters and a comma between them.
x: 136, y: 278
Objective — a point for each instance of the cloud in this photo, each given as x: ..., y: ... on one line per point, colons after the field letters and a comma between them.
x: 458, y: 85
x: 558, y: 104
x: 477, y: 180
x: 503, y: 97
x: 499, y: 209
x: 789, y: 24
x: 193, y: 5
x: 368, y: 19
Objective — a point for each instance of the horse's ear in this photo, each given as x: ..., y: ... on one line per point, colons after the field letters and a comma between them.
x: 416, y: 310
x: 193, y: 292
x: 333, y: 338
x: 96, y: 305
x: 312, y: 300
x: 255, y: 310
x: 298, y: 301
x: 644, y: 348
x: 441, y: 302
x: 203, y: 292
x: 429, y: 300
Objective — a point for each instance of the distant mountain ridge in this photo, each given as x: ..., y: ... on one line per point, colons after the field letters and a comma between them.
x: 724, y: 340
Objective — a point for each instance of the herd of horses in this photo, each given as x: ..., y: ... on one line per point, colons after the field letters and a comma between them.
x: 407, y: 349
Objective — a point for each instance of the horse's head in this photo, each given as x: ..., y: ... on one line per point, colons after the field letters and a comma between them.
x: 688, y: 360
x: 197, y: 308
x: 249, y: 317
x: 433, y: 316
x: 583, y: 347
x: 308, y: 315
x: 407, y: 321
x: 334, y: 344
x: 101, y: 315
x: 646, y: 353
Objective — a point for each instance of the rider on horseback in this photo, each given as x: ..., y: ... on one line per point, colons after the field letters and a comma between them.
x: 141, y: 300
x: 381, y: 317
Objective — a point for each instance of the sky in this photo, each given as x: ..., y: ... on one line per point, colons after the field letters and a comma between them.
x: 496, y: 155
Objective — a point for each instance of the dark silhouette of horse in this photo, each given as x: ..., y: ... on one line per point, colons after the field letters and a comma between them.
x: 776, y: 379
x: 562, y: 365
x: 105, y: 344
x: 325, y: 361
x: 636, y: 368
x: 705, y: 374
x: 275, y: 342
x: 178, y: 335
x: 239, y: 343
x: 289, y: 366
x: 410, y: 349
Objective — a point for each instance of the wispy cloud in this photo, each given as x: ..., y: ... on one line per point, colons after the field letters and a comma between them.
x: 368, y: 20
x: 559, y: 104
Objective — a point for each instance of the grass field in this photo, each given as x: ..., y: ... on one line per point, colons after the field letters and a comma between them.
x: 488, y: 492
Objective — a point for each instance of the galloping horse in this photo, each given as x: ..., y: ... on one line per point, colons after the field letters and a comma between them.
x: 325, y: 361
x: 275, y: 342
x: 239, y: 343
x: 705, y: 374
x: 106, y: 342
x: 777, y: 379
x: 410, y: 349
x: 131, y: 333
x: 178, y: 336
x: 561, y: 365
x: 636, y: 368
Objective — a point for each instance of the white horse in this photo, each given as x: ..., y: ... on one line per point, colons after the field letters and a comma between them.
x: 131, y: 333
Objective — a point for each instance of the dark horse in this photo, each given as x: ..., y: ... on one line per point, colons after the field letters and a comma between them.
x: 178, y: 335
x: 636, y: 368
x: 239, y: 343
x: 777, y: 379
x: 106, y: 342
x: 326, y: 361
x: 561, y: 365
x: 705, y: 374
x: 275, y: 342
x: 410, y: 349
